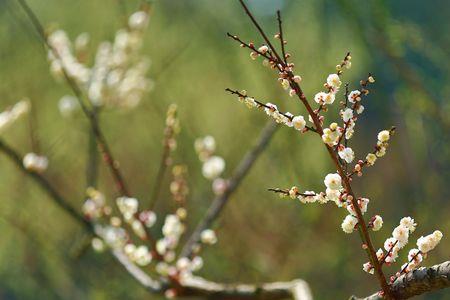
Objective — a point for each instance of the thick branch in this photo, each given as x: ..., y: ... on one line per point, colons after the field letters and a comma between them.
x: 418, y: 282
x: 296, y: 289
x: 239, y: 173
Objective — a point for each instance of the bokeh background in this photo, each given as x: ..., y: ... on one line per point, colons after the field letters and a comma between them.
x: 261, y: 238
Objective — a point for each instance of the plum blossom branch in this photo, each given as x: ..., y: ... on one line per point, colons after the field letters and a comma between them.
x: 333, y: 83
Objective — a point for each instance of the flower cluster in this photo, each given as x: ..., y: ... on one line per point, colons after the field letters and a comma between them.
x: 117, y: 77
x: 399, y: 239
x: 10, y: 115
x: 213, y: 165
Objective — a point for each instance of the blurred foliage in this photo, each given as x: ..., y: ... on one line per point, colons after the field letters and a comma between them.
x: 261, y: 238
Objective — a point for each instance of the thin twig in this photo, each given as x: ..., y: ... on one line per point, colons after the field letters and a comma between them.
x: 280, y: 28
x: 239, y: 173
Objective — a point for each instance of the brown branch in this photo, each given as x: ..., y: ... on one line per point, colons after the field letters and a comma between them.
x: 239, y: 173
x: 280, y: 28
x: 417, y: 282
x: 362, y: 227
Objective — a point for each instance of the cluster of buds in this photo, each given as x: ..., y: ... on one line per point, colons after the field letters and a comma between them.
x: 178, y: 187
x: 345, y: 64
x: 399, y: 239
x: 13, y: 113
x: 379, y: 151
x: 138, y: 254
x: 35, y: 163
x: 129, y: 208
x: 95, y: 206
x: 297, y: 122
x: 117, y: 77
x: 172, y: 129
x: 213, y: 165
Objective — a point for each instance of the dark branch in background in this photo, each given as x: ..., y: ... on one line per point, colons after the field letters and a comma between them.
x: 16, y: 158
x: 92, y: 161
x: 418, y: 282
x: 239, y: 173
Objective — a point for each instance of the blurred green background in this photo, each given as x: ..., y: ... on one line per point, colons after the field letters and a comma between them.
x: 261, y: 238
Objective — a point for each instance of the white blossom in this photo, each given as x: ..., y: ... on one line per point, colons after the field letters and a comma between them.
x: 347, y: 114
x: 360, y: 109
x: 213, y: 167
x: 429, y: 242
x: 354, y: 96
x: 68, y: 105
x: 128, y: 206
x: 299, y: 122
x: 333, y: 181
x: 334, y: 81
x: 208, y: 236
x: 368, y: 268
x: 97, y: 245
x: 320, y: 97
x: 383, y: 136
x: 349, y: 223
x: 138, y: 20
x: 377, y: 223
x: 409, y: 223
x: 347, y: 154
x: 371, y: 158
x: 401, y: 234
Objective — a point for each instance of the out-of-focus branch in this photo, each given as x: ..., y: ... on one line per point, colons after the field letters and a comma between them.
x: 100, y: 138
x: 296, y: 289
x: 418, y: 282
x: 239, y: 173
x: 196, y: 286
x: 16, y: 158
x: 92, y: 160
